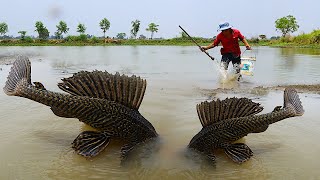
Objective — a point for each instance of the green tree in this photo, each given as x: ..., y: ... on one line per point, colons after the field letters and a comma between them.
x: 183, y: 35
x: 81, y: 28
x: 262, y: 36
x: 3, y: 28
x: 121, y: 35
x: 275, y: 37
x: 58, y: 34
x: 135, y: 28
x: 62, y: 28
x: 104, y: 25
x: 152, y: 28
x: 42, y: 30
x: 142, y: 36
x: 286, y: 25
x: 22, y: 34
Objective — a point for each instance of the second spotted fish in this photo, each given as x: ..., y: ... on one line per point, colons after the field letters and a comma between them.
x: 231, y: 119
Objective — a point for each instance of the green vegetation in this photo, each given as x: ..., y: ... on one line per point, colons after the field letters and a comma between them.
x: 104, y: 25
x: 311, y: 40
x: 83, y: 40
x: 81, y: 29
x: 142, y: 36
x: 42, y: 30
x: 184, y: 35
x: 121, y: 35
x: 3, y: 28
x: 62, y: 28
x: 152, y: 28
x: 262, y: 36
x: 22, y: 34
x: 135, y: 28
x: 286, y: 25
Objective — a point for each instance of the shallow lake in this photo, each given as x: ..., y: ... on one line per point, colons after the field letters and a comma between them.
x: 36, y: 144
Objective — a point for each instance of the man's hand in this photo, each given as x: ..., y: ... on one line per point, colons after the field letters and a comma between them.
x: 246, y: 44
x: 203, y: 48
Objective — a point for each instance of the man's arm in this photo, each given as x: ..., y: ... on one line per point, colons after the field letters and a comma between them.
x: 243, y: 39
x: 245, y: 42
x: 210, y: 46
x: 203, y: 48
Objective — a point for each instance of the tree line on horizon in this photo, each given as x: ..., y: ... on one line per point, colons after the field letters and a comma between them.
x: 285, y: 25
x: 62, y: 28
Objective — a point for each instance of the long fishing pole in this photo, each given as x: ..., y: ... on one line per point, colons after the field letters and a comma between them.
x: 212, y: 58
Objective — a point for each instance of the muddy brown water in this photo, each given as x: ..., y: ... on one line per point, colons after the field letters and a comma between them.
x: 35, y: 144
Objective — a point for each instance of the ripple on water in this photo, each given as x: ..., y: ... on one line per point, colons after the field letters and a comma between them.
x: 68, y: 165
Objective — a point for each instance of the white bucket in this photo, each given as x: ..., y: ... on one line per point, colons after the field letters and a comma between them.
x: 247, y: 65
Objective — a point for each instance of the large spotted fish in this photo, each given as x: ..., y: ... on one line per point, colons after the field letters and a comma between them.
x: 228, y: 120
x: 108, y: 103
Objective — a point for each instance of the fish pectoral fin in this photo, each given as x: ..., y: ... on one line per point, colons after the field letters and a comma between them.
x: 60, y: 113
x: 277, y: 108
x: 90, y: 143
x: 238, y: 152
x: 260, y: 129
x: 39, y: 85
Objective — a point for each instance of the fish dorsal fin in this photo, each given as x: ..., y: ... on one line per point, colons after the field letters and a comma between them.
x: 215, y: 111
x: 128, y: 91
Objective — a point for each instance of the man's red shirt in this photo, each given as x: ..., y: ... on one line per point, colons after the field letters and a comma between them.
x: 230, y: 45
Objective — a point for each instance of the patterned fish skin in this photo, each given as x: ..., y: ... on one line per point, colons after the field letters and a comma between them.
x: 216, y: 135
x: 110, y: 117
x: 109, y: 103
x: 220, y: 132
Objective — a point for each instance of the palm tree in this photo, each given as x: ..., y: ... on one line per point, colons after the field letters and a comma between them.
x: 135, y: 28
x: 81, y: 28
x: 62, y: 28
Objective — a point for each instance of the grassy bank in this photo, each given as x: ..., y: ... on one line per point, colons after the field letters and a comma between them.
x: 117, y: 42
x: 311, y: 40
x: 83, y: 41
x: 80, y: 41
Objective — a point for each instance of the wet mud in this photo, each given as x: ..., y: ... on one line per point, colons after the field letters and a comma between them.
x: 263, y: 90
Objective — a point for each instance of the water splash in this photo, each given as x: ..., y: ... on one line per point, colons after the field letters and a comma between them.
x: 227, y: 78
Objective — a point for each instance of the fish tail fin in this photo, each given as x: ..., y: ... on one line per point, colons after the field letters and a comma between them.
x: 291, y: 99
x: 19, y: 76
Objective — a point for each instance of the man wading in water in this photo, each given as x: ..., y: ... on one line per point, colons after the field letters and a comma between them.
x: 231, y: 49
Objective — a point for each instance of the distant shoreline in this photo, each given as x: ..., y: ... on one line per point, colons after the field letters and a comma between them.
x: 146, y: 42
x: 104, y: 42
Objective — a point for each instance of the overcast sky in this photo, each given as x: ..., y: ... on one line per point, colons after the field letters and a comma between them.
x: 199, y: 18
